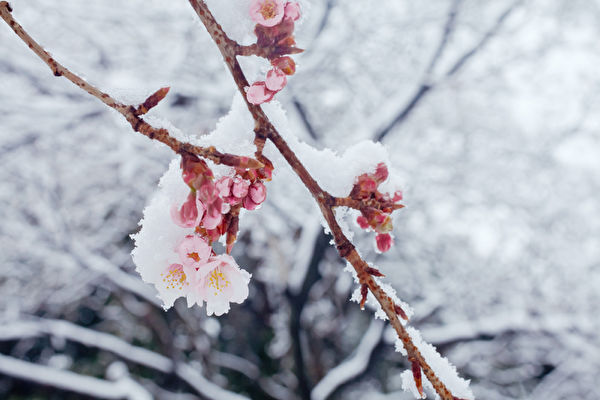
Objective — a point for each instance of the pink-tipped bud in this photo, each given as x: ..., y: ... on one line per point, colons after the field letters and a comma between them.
x: 362, y: 222
x: 249, y: 204
x: 189, y: 214
x: 286, y: 64
x: 292, y: 11
x: 258, y: 192
x: 384, y: 242
x: 224, y: 186
x: 276, y: 80
x: 258, y: 93
x: 240, y: 187
x: 397, y: 196
x: 381, y: 173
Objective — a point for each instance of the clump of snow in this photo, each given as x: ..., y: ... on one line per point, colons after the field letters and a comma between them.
x: 155, y: 243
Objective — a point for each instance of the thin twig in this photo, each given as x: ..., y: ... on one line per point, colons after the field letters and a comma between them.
x: 130, y: 112
x: 345, y: 248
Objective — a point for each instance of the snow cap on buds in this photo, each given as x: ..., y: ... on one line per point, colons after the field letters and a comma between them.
x: 292, y: 10
x: 221, y: 282
x: 384, y: 242
x: 276, y: 80
x: 267, y: 12
x: 258, y: 93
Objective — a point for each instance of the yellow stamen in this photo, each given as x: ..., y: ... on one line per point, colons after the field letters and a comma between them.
x: 217, y: 281
x: 268, y: 9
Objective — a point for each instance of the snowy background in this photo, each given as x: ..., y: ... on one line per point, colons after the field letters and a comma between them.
x: 490, y: 113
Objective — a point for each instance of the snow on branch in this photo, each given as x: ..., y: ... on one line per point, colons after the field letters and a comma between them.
x: 123, y: 388
x: 117, y: 346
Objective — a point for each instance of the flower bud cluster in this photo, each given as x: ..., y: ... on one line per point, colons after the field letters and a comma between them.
x: 371, y: 218
x: 212, y: 209
x: 275, y: 33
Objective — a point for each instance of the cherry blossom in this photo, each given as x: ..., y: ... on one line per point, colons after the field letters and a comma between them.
x: 208, y: 194
x: 267, y: 12
x: 221, y: 282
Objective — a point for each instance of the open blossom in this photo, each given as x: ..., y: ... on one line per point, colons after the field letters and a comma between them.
x: 267, y: 12
x: 221, y: 282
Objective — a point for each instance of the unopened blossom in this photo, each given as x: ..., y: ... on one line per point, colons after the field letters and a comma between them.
x: 258, y: 93
x: 208, y: 194
x: 384, y: 242
x: 292, y: 10
x: 267, y: 12
x: 239, y: 188
x: 256, y: 195
x: 221, y: 282
x: 276, y: 80
x: 190, y: 213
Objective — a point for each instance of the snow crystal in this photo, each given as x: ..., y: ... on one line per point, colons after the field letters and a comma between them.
x: 409, y: 385
x: 399, y: 346
x: 445, y: 371
x: 372, y: 302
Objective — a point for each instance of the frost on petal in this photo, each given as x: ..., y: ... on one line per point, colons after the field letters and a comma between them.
x: 258, y: 93
x: 267, y: 12
x: 292, y: 10
x: 276, y: 80
x: 224, y: 186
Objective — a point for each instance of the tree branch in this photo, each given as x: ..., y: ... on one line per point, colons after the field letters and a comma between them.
x: 345, y: 247
x: 131, y: 113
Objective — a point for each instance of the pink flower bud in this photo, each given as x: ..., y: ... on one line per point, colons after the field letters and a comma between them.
x: 267, y: 12
x: 384, y: 242
x: 397, y: 196
x: 190, y: 213
x: 240, y: 187
x: 381, y: 173
x: 258, y: 93
x: 362, y: 222
x: 292, y: 10
x: 224, y: 186
x: 286, y: 64
x: 258, y: 192
x: 249, y: 204
x: 276, y: 80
